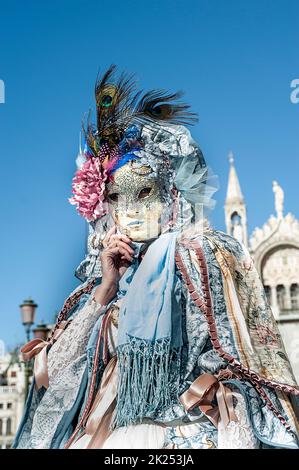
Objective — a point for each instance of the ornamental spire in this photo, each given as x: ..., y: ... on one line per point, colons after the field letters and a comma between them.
x: 235, y: 208
x: 234, y: 193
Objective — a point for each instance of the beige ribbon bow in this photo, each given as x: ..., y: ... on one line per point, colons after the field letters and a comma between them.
x: 38, y: 348
x: 202, y: 392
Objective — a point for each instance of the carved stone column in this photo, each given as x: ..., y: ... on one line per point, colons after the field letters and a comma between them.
x: 4, y: 426
x: 274, y: 303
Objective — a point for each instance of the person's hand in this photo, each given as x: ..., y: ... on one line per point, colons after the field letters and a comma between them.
x: 116, y: 257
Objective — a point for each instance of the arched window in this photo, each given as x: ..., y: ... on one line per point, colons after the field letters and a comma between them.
x: 268, y: 293
x: 8, y: 427
x: 235, y: 221
x: 1, y: 427
x: 235, y: 218
x: 281, y: 296
x: 295, y: 296
x: 237, y: 227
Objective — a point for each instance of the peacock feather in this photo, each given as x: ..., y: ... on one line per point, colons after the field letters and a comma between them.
x: 119, y: 106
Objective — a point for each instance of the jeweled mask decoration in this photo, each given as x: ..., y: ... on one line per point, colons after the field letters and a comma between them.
x: 136, y: 201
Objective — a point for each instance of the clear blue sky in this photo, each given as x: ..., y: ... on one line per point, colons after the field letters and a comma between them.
x: 234, y: 58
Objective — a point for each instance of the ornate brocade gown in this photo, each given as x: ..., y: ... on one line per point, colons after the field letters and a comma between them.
x: 66, y: 363
x: 69, y: 370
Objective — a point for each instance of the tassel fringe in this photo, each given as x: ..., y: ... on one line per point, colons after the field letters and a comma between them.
x: 148, y: 380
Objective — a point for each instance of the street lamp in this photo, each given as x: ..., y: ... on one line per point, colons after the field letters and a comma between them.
x: 28, y: 308
x: 41, y: 331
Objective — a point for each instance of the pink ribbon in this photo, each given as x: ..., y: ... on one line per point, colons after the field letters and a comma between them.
x: 202, y: 392
x: 38, y: 348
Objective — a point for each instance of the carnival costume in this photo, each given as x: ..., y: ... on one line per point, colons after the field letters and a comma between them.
x: 187, y: 354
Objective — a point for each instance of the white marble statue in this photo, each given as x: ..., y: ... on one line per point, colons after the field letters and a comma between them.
x: 279, y: 198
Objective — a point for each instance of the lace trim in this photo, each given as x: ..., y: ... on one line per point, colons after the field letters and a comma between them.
x: 73, y: 341
x: 237, y: 435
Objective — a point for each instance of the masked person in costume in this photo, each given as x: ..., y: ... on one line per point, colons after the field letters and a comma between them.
x: 169, y: 341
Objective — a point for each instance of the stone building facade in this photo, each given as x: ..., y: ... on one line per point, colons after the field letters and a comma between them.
x: 12, y: 388
x: 274, y: 248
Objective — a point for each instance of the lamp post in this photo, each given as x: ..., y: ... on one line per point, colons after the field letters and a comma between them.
x: 41, y: 331
x: 28, y: 308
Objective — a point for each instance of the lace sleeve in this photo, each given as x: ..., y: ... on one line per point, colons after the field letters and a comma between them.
x: 73, y: 341
x: 238, y: 435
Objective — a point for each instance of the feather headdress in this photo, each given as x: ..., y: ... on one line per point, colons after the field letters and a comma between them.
x: 121, y: 114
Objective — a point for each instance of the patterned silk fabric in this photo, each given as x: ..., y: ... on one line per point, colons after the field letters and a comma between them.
x: 246, y: 330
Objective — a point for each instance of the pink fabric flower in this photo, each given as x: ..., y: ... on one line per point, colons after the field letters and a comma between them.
x: 88, y: 188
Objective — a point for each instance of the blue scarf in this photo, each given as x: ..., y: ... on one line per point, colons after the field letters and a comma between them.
x: 149, y: 333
